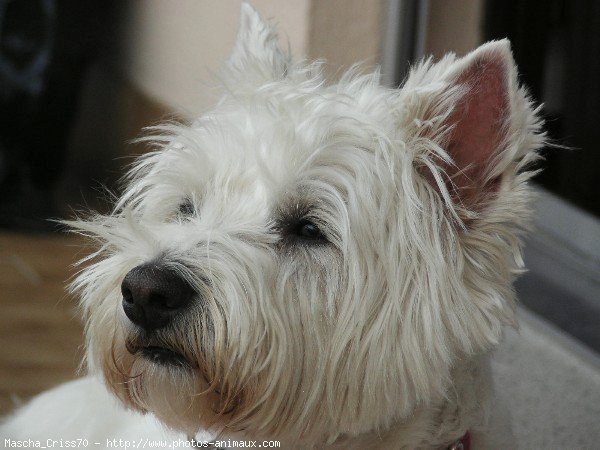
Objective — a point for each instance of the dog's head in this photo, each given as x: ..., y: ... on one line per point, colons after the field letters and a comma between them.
x: 306, y: 259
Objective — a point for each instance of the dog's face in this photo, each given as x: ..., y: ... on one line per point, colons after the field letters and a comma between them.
x: 311, y: 260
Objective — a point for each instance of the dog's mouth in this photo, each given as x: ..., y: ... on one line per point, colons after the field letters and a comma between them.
x: 161, y: 356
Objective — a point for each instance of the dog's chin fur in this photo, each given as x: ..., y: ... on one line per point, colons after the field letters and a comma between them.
x: 379, y: 329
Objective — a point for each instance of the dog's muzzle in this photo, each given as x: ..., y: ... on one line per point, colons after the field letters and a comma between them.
x: 153, y: 295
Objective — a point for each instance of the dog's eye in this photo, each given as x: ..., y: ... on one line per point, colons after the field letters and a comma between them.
x: 186, y: 208
x: 308, y: 230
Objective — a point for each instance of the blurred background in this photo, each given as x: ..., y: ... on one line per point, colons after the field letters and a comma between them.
x: 79, y: 79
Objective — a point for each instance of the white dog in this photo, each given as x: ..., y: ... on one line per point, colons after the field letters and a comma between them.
x: 322, y: 265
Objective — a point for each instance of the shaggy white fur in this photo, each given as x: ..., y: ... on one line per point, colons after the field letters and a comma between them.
x: 372, y: 334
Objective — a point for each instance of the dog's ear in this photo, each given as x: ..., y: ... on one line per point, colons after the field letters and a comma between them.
x: 484, y: 125
x: 257, y: 57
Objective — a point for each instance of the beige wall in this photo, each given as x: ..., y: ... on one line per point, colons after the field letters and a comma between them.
x: 174, y: 47
x: 453, y: 26
x: 345, y: 32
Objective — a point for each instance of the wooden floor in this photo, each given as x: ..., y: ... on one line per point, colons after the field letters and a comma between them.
x: 40, y: 331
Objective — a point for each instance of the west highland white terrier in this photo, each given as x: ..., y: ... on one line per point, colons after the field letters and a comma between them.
x: 325, y: 265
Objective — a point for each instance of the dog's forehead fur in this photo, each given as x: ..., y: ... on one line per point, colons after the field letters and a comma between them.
x: 276, y: 138
x: 254, y: 158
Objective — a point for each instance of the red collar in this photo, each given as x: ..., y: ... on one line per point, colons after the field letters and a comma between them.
x: 464, y: 443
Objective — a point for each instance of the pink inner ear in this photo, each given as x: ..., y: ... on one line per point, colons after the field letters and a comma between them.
x: 478, y: 122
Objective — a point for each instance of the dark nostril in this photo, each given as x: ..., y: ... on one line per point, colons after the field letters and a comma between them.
x: 153, y: 295
x: 127, y: 296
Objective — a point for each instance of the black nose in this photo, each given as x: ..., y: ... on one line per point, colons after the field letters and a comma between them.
x: 153, y: 295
